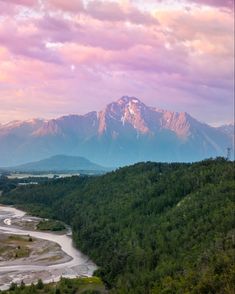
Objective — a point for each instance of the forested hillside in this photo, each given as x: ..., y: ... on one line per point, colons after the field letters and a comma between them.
x: 152, y: 227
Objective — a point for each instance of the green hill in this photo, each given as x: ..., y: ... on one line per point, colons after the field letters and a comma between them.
x: 152, y: 227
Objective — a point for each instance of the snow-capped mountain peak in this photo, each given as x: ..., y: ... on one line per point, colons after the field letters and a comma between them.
x: 125, y: 112
x: 124, y: 132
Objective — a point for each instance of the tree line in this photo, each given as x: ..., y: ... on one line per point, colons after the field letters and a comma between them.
x: 151, y: 227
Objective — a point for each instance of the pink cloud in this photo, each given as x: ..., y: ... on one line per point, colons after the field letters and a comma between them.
x: 113, y: 11
x: 216, y: 3
x: 21, y: 2
x: 65, y: 5
x: 78, y: 57
x: 94, y: 33
x: 25, y: 42
x: 6, y: 9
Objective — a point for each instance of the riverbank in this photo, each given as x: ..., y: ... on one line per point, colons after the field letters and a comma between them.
x: 92, y: 285
x: 25, y: 250
x: 48, y: 256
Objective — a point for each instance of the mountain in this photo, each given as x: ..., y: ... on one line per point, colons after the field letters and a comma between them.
x: 125, y: 132
x: 60, y: 163
x: 227, y: 129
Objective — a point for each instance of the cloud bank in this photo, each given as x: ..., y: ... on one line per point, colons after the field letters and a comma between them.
x: 60, y: 56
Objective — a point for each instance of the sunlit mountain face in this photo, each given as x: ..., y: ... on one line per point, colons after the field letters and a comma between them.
x: 59, y: 57
x: 126, y: 131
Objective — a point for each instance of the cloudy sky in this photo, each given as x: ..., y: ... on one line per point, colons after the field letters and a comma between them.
x: 59, y: 57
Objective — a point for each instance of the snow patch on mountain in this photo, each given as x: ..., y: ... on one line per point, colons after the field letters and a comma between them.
x: 126, y: 131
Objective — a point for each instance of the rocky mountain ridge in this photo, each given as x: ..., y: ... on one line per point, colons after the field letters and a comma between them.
x: 126, y: 131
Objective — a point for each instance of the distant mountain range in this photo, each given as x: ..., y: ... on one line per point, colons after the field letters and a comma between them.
x: 60, y: 163
x: 126, y: 131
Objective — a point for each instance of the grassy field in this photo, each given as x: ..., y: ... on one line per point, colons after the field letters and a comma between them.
x: 13, y: 247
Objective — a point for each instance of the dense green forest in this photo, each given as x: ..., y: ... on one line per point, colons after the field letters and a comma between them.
x: 151, y: 227
x: 7, y: 184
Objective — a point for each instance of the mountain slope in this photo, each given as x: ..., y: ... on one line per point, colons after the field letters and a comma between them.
x: 227, y: 129
x: 125, y: 132
x: 60, y: 163
x: 151, y: 227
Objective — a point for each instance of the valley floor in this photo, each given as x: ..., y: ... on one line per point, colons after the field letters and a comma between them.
x: 27, y: 255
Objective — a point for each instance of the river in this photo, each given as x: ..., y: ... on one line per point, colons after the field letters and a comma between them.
x: 77, y: 265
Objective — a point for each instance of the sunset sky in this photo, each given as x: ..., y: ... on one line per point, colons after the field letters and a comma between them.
x: 59, y: 57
